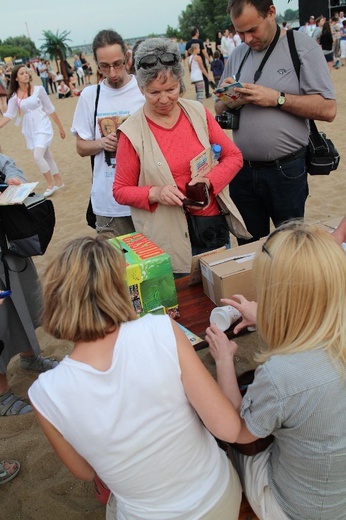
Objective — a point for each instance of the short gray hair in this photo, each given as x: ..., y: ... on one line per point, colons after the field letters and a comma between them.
x: 157, y: 46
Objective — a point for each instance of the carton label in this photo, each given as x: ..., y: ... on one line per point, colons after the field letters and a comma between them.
x: 206, y: 272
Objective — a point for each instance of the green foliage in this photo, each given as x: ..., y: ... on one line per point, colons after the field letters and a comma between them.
x: 13, y: 51
x: 24, y: 43
x: 172, y: 33
x: 291, y: 14
x: 55, y: 45
x: 208, y: 15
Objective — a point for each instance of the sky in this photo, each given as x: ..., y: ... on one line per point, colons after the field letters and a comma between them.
x: 130, y: 18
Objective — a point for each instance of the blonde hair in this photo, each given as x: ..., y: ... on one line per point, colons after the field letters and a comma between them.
x: 84, y: 291
x: 301, y: 288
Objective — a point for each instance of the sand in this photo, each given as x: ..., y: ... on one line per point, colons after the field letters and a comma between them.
x: 44, y: 489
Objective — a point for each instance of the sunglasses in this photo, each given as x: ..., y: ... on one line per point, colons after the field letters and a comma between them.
x: 149, y: 61
x: 295, y: 224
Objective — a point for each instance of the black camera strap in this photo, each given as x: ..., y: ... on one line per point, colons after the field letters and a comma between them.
x: 265, y: 57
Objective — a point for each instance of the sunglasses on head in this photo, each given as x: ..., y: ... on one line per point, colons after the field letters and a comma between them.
x: 167, y: 58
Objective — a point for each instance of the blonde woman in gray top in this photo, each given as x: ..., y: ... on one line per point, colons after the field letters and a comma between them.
x: 299, y: 392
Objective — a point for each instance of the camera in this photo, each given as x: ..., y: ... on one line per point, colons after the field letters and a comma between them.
x: 229, y: 120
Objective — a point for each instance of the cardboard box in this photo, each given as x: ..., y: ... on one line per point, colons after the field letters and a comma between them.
x: 331, y: 224
x: 230, y: 272
x: 149, y: 275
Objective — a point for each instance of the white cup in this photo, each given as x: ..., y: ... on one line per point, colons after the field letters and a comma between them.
x: 224, y: 316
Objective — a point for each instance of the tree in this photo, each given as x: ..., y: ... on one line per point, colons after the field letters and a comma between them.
x: 56, y: 47
x: 208, y: 15
x: 24, y: 43
x: 12, y: 51
x: 290, y: 15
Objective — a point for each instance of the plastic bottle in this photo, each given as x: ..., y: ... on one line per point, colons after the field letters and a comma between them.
x: 216, y: 152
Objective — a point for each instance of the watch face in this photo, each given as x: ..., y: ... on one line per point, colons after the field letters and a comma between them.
x: 281, y: 100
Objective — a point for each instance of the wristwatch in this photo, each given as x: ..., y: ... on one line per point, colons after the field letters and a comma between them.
x: 281, y: 99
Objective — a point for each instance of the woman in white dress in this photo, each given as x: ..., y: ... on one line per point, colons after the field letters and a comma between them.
x: 33, y: 104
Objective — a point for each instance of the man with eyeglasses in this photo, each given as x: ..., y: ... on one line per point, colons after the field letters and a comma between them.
x: 273, y: 121
x: 100, y: 110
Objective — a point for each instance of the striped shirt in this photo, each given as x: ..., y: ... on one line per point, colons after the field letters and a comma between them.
x: 301, y: 399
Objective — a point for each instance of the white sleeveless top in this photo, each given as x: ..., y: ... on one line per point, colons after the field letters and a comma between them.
x: 196, y: 73
x: 135, y: 426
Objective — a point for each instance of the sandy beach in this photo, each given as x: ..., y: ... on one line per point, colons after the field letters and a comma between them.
x: 44, y: 488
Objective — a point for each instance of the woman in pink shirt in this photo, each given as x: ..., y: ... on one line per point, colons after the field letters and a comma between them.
x: 155, y: 150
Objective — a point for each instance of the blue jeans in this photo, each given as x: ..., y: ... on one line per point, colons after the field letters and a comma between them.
x: 277, y: 193
x: 45, y: 84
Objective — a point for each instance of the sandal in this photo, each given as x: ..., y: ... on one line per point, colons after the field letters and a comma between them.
x: 5, y: 474
x: 11, y: 404
x: 37, y: 363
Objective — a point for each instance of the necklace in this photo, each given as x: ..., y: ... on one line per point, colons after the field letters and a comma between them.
x: 25, y: 93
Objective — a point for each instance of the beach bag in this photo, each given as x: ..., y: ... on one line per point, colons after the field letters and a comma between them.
x: 29, y: 226
x: 322, y: 156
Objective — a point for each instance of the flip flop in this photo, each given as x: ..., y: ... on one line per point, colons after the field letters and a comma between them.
x: 5, y: 475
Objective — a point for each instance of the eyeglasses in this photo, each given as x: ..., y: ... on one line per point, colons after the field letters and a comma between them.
x: 149, y: 61
x: 105, y: 67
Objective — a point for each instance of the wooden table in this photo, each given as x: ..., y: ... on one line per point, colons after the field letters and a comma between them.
x: 195, y: 308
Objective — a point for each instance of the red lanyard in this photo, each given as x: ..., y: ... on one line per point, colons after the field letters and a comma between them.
x: 21, y: 99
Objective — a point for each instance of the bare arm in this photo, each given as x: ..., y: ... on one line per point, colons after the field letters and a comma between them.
x: 78, y: 466
x: 215, y: 410
x: 310, y: 106
x: 222, y: 349
x: 201, y: 66
x: 56, y: 120
x: 206, y: 55
x: 87, y: 148
x: 340, y: 232
x: 4, y: 121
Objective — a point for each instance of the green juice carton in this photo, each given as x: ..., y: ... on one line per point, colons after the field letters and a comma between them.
x: 149, y: 275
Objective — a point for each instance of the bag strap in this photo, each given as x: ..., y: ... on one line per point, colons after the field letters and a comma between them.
x: 92, y: 157
x: 296, y: 63
x: 293, y: 51
x: 4, y: 251
x: 264, y: 60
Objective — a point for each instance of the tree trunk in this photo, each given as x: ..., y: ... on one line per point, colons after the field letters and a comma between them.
x: 63, y: 67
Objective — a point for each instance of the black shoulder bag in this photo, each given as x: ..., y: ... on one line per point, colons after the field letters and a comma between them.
x: 90, y: 215
x: 322, y: 156
x: 29, y: 226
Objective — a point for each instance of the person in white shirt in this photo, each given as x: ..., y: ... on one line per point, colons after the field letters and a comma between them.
x: 113, y: 100
x: 226, y: 45
x: 309, y: 30
x: 132, y: 404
